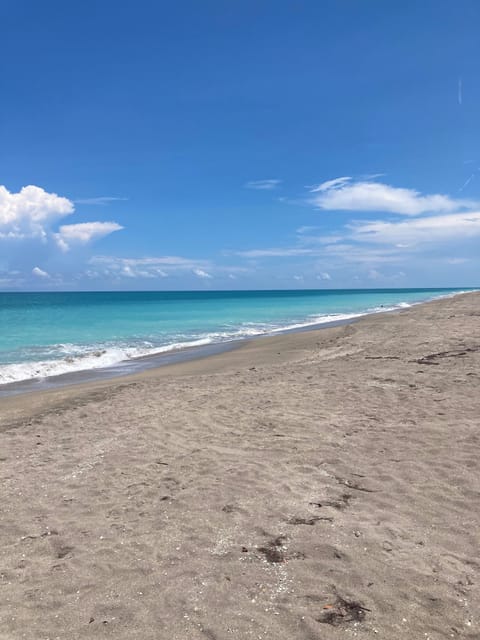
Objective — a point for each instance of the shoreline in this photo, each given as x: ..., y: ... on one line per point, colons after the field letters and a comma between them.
x: 186, y: 361
x: 138, y: 364
x: 16, y: 406
x: 319, y: 484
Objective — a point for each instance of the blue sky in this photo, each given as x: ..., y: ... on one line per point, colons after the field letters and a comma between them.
x: 239, y: 144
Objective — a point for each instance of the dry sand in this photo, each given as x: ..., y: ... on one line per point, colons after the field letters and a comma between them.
x: 318, y: 485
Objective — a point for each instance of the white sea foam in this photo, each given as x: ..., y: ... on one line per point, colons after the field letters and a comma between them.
x: 91, y: 359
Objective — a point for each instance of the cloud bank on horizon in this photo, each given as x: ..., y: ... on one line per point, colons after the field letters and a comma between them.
x: 403, y: 227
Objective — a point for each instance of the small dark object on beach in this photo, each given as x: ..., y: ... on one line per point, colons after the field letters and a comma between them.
x: 340, y: 504
x: 309, y: 521
x: 228, y: 508
x: 343, y: 611
x: 63, y: 550
x: 272, y: 554
x: 274, y: 551
x: 455, y: 353
x: 351, y: 484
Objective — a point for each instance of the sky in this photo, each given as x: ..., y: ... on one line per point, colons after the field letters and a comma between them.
x: 239, y: 144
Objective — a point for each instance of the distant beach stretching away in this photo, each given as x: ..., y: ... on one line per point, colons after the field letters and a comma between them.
x: 320, y: 484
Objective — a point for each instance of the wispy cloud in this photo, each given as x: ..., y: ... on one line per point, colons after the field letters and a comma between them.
x: 457, y: 260
x: 460, y: 91
x: 100, y: 200
x: 115, y: 267
x: 178, y: 262
x: 345, y: 194
x: 148, y: 267
x: 406, y: 233
x: 276, y: 252
x: 84, y: 232
x: 263, y: 185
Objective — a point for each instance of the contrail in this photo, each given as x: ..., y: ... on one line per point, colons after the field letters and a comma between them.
x: 467, y: 182
x: 460, y: 97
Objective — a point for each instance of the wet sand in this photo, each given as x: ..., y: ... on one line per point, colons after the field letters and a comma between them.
x: 317, y: 485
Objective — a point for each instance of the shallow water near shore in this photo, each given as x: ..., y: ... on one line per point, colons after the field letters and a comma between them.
x: 89, y: 335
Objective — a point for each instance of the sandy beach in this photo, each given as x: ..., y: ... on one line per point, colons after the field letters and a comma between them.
x: 316, y: 485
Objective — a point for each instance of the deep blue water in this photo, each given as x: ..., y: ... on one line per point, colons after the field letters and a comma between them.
x: 44, y: 334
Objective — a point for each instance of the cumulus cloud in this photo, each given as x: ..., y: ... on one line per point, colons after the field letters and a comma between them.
x: 84, y: 232
x: 30, y: 212
x: 40, y: 273
x: 324, y: 276
x: 345, y: 194
x: 263, y: 185
x: 33, y: 231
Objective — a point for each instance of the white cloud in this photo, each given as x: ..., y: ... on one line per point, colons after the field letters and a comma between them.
x: 40, y: 273
x: 361, y: 254
x: 407, y: 233
x: 150, y: 266
x: 273, y: 252
x: 84, y: 232
x: 101, y: 200
x: 175, y: 262
x: 331, y: 184
x: 31, y: 215
x: 457, y: 260
x: 162, y: 267
x: 344, y: 194
x: 263, y: 185
x: 306, y: 229
x: 201, y: 273
x: 30, y: 212
x: 324, y: 276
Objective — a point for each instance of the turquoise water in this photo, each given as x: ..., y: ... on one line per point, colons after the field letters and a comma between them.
x: 45, y: 334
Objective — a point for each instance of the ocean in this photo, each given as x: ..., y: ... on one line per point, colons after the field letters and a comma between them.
x: 50, y: 334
